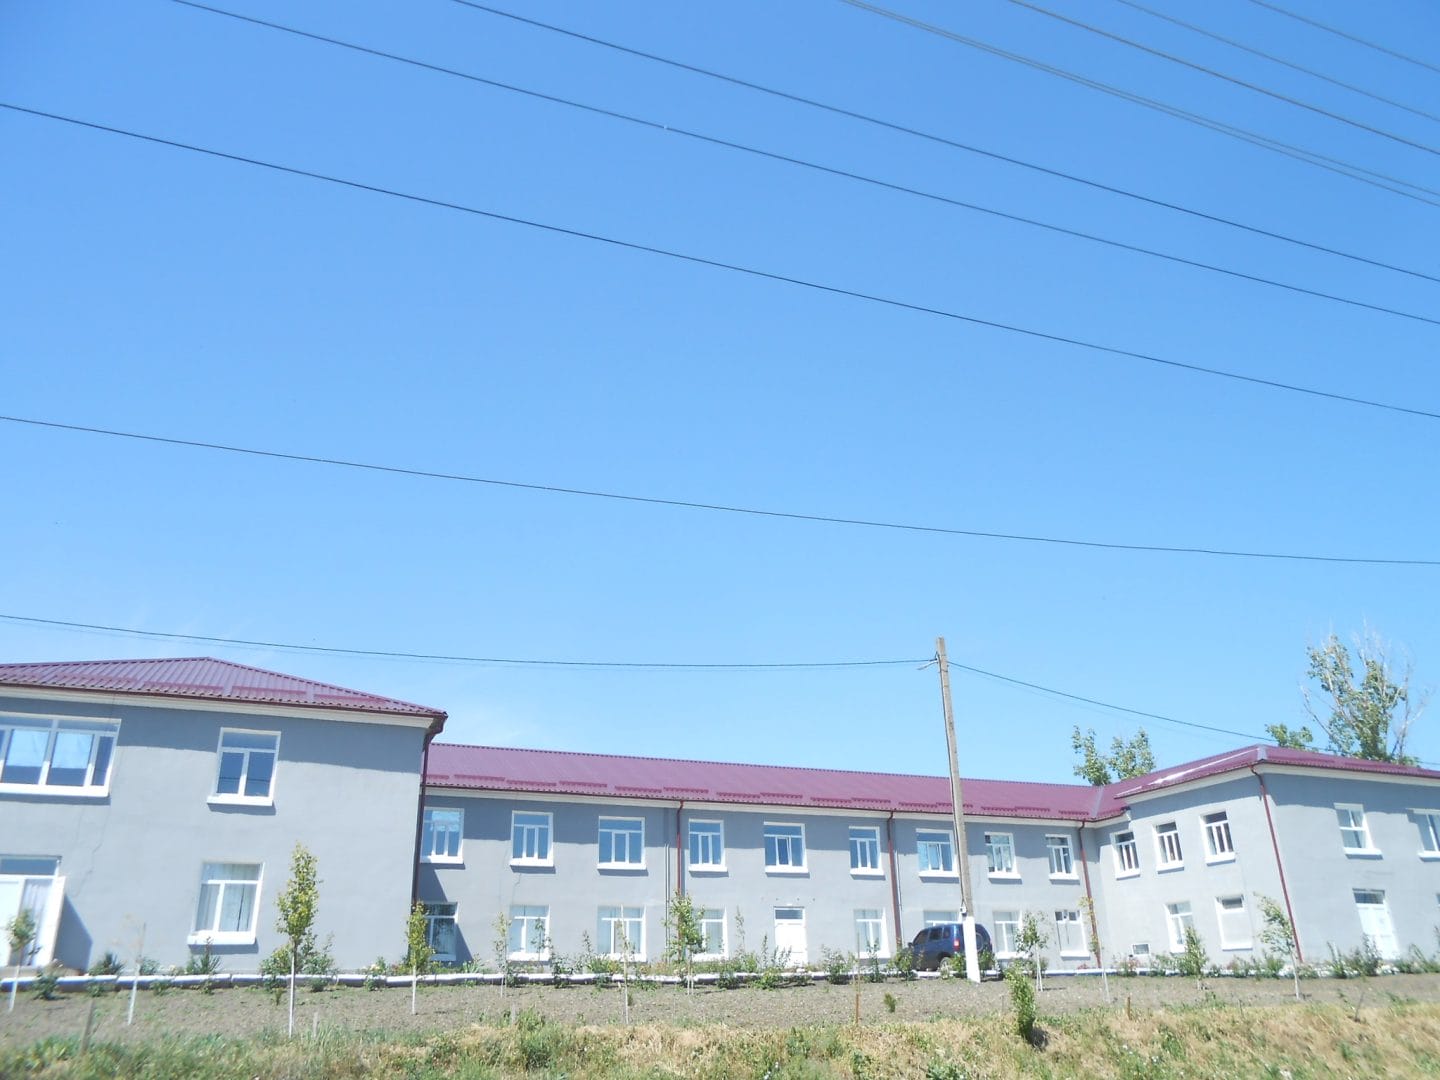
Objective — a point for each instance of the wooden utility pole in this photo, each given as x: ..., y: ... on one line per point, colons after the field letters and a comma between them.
x: 957, y: 807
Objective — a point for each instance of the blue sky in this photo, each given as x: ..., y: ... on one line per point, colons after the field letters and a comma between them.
x: 163, y: 292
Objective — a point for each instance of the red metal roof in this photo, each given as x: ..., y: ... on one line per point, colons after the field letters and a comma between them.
x: 559, y: 772
x: 204, y: 678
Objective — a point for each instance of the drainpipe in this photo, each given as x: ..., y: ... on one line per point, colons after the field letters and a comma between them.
x: 430, y: 734
x: 1279, y: 866
x: 1089, y: 897
x: 679, y: 854
x: 894, y: 879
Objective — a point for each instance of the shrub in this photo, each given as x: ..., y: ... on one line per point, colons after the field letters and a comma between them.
x: 837, y: 966
x: 1022, y: 998
x: 1194, y: 961
x: 904, y: 963
x: 890, y: 1002
x: 47, y: 982
x: 108, y: 964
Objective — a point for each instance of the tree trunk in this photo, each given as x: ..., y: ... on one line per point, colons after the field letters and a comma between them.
x: 292, y: 994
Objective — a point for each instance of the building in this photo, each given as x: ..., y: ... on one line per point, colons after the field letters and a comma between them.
x: 165, y: 797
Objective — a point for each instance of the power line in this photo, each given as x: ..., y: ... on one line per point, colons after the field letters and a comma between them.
x: 1347, y: 36
x: 714, y: 507
x: 716, y: 264
x: 670, y: 129
x: 1310, y: 157
x: 941, y: 140
x: 1279, y: 60
x: 1254, y: 87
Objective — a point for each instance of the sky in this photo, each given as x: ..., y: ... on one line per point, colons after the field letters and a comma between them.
x: 523, y: 295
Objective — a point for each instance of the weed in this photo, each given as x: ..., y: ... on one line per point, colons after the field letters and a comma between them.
x: 890, y: 1002
x: 108, y: 964
x: 837, y: 966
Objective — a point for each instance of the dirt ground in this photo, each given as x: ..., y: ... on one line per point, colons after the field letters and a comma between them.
x: 252, y: 1011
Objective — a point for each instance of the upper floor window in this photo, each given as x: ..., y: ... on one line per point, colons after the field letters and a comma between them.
x: 1354, y: 833
x: 1167, y: 846
x: 622, y: 842
x: 440, y: 834
x: 784, y: 846
x: 228, y: 904
x: 530, y: 838
x: 936, y: 851
x: 1218, y: 845
x: 865, y: 850
x: 1000, y: 854
x: 247, y: 765
x: 1429, y: 822
x: 63, y: 756
x: 1127, y: 855
x: 707, y: 845
x: 1062, y: 864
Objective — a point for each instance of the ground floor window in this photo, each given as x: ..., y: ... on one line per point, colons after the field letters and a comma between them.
x: 1178, y: 919
x: 869, y: 931
x: 940, y: 918
x: 712, y: 928
x: 1007, y: 932
x: 621, y: 932
x: 26, y: 884
x: 1234, y: 922
x: 1070, y: 933
x: 440, y: 930
x: 229, y: 894
x: 529, y: 932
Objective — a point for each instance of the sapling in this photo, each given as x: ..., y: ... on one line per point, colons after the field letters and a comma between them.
x: 21, y: 932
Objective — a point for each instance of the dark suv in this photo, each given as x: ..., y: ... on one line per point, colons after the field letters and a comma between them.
x: 937, y: 943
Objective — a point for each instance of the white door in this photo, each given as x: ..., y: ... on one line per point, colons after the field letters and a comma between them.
x: 790, y: 935
x: 1375, y: 921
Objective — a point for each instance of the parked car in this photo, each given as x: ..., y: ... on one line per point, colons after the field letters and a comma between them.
x: 935, y: 944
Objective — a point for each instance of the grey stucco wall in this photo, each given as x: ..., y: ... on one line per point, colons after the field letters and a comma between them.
x: 348, y: 791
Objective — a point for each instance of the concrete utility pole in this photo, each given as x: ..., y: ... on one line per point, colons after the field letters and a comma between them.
x: 962, y: 848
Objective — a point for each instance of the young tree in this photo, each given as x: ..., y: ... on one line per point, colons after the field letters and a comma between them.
x: 1193, y: 960
x: 1032, y: 941
x: 1088, y: 904
x: 418, y: 952
x: 1279, y: 934
x: 687, y: 936
x: 297, y: 904
x: 500, y: 943
x: 1369, y: 712
x: 21, y: 932
x: 1127, y: 758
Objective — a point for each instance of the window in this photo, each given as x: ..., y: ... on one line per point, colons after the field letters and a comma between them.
x: 1234, y: 923
x: 936, y: 850
x: 1007, y: 932
x: 1354, y: 833
x: 1127, y: 855
x: 1070, y: 934
x: 1375, y: 921
x: 1218, y: 845
x: 1062, y: 865
x: 1000, y: 854
x: 712, y: 929
x: 865, y: 850
x: 940, y: 918
x: 529, y: 932
x: 1429, y: 822
x: 622, y: 931
x: 530, y: 839
x: 247, y: 766
x: 1178, y: 918
x: 228, y: 895
x: 707, y: 845
x: 784, y: 847
x: 64, y: 756
x: 1167, y: 846
x: 622, y: 842
x: 27, y: 883
x: 869, y: 931
x: 440, y: 930
x: 440, y: 835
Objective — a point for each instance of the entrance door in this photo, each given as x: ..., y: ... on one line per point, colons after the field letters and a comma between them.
x: 790, y: 934
x: 1375, y: 921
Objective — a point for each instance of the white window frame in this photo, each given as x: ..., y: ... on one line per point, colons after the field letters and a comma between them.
x: 938, y: 917
x: 710, y: 840
x: 626, y: 832
x: 1007, y: 932
x: 1169, y: 855
x: 1354, y: 814
x: 211, y: 876
x: 865, y: 852
x: 1233, y: 919
x: 932, y: 845
x: 870, y: 925
x: 1428, y: 822
x: 238, y: 796
x: 1126, y: 865
x: 1059, y: 842
x: 785, y: 835
x: 433, y: 835
x: 1069, y: 923
x: 436, y: 916
x: 104, y: 737
x: 1219, y: 842
x: 712, y: 920
x: 1178, y: 916
x: 524, y: 921
x: 1000, y: 856
x: 526, y: 829
x: 609, y: 917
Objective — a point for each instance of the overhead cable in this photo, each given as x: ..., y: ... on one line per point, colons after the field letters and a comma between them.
x: 822, y: 519
x: 1346, y: 35
x: 670, y: 129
